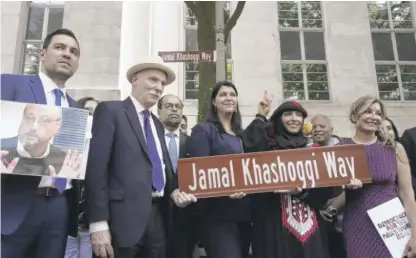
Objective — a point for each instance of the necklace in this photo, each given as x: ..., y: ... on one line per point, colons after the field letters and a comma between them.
x: 365, y: 143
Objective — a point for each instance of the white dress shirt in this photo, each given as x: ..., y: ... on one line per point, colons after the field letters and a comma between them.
x: 49, y: 86
x: 103, y: 225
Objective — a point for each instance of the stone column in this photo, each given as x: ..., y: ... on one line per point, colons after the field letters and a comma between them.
x: 166, y: 24
x: 134, y: 39
x: 13, y: 28
x: 349, y: 51
x: 98, y: 34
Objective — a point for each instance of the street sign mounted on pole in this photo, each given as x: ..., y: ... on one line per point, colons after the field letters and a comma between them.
x: 188, y: 56
x: 220, y: 74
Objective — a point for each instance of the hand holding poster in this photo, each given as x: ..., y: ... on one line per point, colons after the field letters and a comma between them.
x: 392, y: 225
x: 273, y: 170
x: 41, y: 140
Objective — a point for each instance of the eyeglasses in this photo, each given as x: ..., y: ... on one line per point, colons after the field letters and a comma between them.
x: 170, y: 106
x: 40, y: 121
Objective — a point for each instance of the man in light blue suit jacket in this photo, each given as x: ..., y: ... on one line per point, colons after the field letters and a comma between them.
x: 37, y: 215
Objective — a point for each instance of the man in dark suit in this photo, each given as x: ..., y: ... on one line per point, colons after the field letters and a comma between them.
x: 37, y: 212
x: 129, y: 176
x: 183, y: 235
x: 408, y: 140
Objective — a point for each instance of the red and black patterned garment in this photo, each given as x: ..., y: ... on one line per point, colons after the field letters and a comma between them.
x: 284, y: 225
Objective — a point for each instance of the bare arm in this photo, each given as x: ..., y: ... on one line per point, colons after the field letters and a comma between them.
x: 406, y: 193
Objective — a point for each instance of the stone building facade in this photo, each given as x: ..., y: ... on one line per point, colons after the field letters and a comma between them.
x: 325, y: 54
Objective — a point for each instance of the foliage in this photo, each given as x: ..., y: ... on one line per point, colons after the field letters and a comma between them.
x: 204, y: 12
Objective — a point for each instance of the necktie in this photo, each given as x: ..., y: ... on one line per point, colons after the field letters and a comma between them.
x: 158, y: 180
x: 173, y: 150
x: 60, y: 183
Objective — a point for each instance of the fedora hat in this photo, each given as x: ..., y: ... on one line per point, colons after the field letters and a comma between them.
x: 153, y: 62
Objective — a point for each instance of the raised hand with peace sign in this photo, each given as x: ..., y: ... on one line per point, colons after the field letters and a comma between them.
x: 265, y: 104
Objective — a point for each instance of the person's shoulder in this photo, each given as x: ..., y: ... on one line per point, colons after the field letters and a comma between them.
x: 410, y: 131
x: 10, y: 79
x: 109, y: 105
x: 108, y: 111
x: 8, y: 143
x: 204, y: 126
x: 184, y: 135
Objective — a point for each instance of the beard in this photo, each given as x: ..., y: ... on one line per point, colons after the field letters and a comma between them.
x: 172, y: 123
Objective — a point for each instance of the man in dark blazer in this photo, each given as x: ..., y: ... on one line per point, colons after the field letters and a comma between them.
x: 183, y: 235
x: 408, y: 140
x: 38, y: 212
x: 129, y: 175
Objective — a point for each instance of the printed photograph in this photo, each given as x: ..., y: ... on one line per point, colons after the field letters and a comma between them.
x: 41, y: 140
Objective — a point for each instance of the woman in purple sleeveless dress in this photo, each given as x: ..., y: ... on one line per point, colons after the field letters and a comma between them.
x: 391, y: 179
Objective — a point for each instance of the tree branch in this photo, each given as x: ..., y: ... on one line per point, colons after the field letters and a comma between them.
x: 233, y: 19
x: 195, y: 8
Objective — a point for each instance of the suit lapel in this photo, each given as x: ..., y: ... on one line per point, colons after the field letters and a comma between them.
x: 133, y: 118
x: 161, y: 134
x: 182, y: 146
x: 37, y: 89
x: 72, y: 103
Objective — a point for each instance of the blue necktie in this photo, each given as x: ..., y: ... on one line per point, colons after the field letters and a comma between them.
x: 158, y: 180
x: 60, y: 183
x: 173, y: 150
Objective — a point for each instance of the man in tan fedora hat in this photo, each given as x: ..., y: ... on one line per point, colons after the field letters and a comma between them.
x: 129, y: 172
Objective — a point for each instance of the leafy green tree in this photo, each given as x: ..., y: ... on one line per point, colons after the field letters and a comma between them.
x: 204, y: 12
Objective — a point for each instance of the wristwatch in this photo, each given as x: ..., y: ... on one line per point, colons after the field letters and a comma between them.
x: 332, y: 210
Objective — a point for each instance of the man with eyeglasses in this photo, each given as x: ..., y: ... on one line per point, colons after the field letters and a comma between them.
x: 183, y: 239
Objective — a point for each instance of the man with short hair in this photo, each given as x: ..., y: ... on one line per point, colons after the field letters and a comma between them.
x: 183, y: 238
x: 37, y: 213
x: 169, y: 109
x: 322, y: 136
x: 322, y: 131
x: 129, y: 176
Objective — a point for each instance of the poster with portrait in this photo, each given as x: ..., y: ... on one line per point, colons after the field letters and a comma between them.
x: 42, y: 140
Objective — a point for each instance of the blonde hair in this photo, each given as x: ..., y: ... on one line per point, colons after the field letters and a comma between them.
x: 360, y: 105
